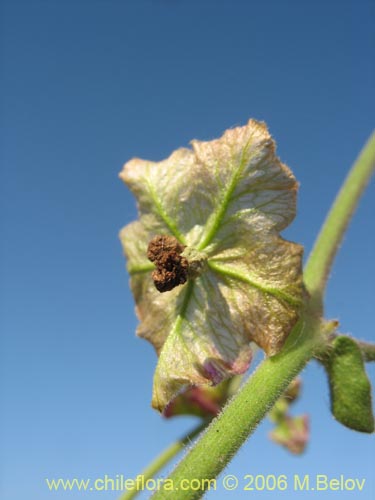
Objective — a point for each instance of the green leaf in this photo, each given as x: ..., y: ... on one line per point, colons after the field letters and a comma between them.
x: 350, y: 387
x: 222, y: 204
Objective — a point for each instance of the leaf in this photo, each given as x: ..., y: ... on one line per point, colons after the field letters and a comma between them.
x: 223, y: 203
x: 350, y: 387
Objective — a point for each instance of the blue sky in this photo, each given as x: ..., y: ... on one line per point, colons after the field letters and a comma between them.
x: 86, y: 85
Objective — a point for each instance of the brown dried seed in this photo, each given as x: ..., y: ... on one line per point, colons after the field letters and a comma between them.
x: 171, y: 267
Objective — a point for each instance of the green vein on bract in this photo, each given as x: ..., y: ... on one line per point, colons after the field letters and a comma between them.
x: 224, y: 271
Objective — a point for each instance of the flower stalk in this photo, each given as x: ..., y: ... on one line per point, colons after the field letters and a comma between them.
x: 247, y: 408
x: 327, y: 244
x: 241, y: 416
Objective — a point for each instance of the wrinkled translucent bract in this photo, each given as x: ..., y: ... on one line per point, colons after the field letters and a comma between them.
x: 226, y: 200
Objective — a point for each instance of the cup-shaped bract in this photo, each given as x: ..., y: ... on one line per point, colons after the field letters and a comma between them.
x: 224, y: 203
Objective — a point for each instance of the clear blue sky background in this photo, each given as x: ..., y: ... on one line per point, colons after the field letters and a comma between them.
x: 86, y: 85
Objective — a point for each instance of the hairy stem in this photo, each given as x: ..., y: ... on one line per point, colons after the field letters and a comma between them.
x: 224, y: 436
x: 240, y: 417
x: 321, y: 258
x: 164, y: 457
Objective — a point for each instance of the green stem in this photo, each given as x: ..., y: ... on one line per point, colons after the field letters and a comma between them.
x: 320, y: 262
x: 164, y: 457
x: 240, y: 417
x: 219, y: 443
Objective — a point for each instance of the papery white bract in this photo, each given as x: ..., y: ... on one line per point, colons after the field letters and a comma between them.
x: 225, y: 200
